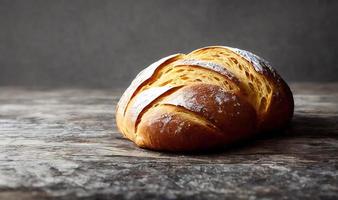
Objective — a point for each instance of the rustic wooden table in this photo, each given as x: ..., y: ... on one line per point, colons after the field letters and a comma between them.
x: 63, y: 144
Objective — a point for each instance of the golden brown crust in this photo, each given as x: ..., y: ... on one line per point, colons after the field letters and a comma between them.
x: 225, y: 110
x: 171, y: 128
x: 208, y: 98
x: 280, y: 111
x: 144, y: 76
x: 142, y: 101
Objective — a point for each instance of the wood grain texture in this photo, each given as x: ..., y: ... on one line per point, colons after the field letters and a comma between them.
x: 63, y: 143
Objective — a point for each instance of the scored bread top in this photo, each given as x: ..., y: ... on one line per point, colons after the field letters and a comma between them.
x: 233, y: 73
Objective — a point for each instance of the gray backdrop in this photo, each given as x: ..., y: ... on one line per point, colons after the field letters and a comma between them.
x: 105, y: 43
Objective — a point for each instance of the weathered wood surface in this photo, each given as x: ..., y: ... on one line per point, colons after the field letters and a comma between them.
x: 63, y: 144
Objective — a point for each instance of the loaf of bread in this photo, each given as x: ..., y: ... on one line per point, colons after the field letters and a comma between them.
x: 211, y: 97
